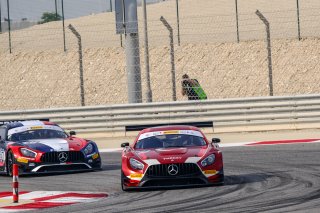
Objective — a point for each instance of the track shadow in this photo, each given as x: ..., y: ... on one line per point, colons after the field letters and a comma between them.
x: 50, y: 174
x: 229, y: 181
x: 246, y: 178
x: 111, y: 167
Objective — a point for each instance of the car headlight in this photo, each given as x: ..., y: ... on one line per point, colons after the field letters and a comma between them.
x: 89, y: 149
x: 136, y: 164
x: 208, y: 160
x: 28, y: 153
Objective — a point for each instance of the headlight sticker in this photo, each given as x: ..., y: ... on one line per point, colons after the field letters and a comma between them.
x: 95, y: 156
x: 22, y: 160
x: 136, y: 175
x: 210, y: 172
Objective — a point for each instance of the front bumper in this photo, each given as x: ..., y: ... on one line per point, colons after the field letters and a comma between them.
x: 37, y: 168
x: 174, y: 182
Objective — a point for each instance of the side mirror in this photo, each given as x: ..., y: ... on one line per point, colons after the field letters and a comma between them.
x: 72, y: 133
x: 124, y: 144
x: 216, y: 140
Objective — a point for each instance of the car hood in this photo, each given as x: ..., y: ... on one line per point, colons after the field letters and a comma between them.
x: 55, y: 145
x: 172, y: 155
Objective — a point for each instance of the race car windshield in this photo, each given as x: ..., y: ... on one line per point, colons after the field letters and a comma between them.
x: 37, y: 134
x: 172, y: 140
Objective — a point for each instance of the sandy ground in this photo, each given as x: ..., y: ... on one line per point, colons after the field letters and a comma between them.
x: 40, y: 75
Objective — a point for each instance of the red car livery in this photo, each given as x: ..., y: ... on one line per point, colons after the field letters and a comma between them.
x: 171, y: 156
x: 43, y: 146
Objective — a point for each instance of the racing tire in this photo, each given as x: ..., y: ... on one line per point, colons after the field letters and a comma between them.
x: 10, y: 162
x: 123, y: 187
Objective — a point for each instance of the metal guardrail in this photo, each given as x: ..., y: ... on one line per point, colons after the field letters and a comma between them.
x: 227, y: 115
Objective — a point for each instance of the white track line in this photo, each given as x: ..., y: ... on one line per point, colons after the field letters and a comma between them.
x: 228, y: 145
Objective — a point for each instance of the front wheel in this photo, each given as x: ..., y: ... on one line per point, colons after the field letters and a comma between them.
x: 123, y: 187
x: 10, y: 162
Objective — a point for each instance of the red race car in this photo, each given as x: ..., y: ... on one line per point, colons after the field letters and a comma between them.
x: 171, y: 156
x: 44, y: 147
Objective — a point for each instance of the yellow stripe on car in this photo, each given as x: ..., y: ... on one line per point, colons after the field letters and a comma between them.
x: 136, y: 175
x: 22, y: 160
x: 36, y: 127
x: 170, y: 132
x: 210, y: 172
x: 95, y: 156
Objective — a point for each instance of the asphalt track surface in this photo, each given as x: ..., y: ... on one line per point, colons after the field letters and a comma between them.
x: 278, y: 178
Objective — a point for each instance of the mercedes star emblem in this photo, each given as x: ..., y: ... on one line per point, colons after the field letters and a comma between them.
x: 173, y: 169
x: 63, y: 157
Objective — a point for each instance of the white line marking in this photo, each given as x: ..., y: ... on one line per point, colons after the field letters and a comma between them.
x: 226, y: 145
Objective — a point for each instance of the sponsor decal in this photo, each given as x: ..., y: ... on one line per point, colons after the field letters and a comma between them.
x: 2, y: 155
x: 171, y: 132
x: 22, y: 160
x: 95, y: 156
x: 36, y: 127
x: 136, y: 175
x: 172, y: 158
x: 210, y: 172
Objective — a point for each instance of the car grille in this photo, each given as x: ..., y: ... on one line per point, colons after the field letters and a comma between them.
x: 184, y: 169
x: 53, y: 157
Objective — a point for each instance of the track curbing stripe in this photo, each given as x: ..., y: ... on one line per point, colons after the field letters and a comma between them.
x: 252, y: 143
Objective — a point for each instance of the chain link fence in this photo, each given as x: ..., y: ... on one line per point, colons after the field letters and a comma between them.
x: 40, y: 73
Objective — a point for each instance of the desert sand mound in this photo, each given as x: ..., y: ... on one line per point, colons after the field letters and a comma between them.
x: 38, y: 74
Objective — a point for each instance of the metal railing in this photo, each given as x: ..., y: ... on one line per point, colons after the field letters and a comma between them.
x: 227, y: 115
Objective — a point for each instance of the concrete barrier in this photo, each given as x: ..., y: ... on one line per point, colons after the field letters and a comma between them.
x: 227, y: 115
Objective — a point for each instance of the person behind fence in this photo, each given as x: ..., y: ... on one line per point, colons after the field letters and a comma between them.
x: 192, y: 88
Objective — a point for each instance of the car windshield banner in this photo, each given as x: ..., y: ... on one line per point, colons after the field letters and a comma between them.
x: 170, y: 132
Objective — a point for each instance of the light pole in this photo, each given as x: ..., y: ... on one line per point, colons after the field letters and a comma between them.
x: 110, y: 5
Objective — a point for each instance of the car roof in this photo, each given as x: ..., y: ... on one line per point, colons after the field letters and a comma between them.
x: 16, y: 124
x: 169, y: 127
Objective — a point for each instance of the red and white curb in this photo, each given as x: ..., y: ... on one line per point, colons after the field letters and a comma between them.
x: 46, y: 199
x: 255, y: 143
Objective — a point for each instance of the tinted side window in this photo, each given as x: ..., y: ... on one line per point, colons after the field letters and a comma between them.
x: 3, y: 133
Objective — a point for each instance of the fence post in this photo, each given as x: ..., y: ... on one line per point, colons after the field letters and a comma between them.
x: 146, y: 55
x: 9, y: 26
x: 63, y: 28
x: 76, y: 33
x: 178, y: 21
x: 173, y: 69
x: 237, y: 20
x: 266, y: 22
x: 298, y: 17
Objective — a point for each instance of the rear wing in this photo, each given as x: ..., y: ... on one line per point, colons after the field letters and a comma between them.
x: 196, y: 124
x: 12, y: 121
